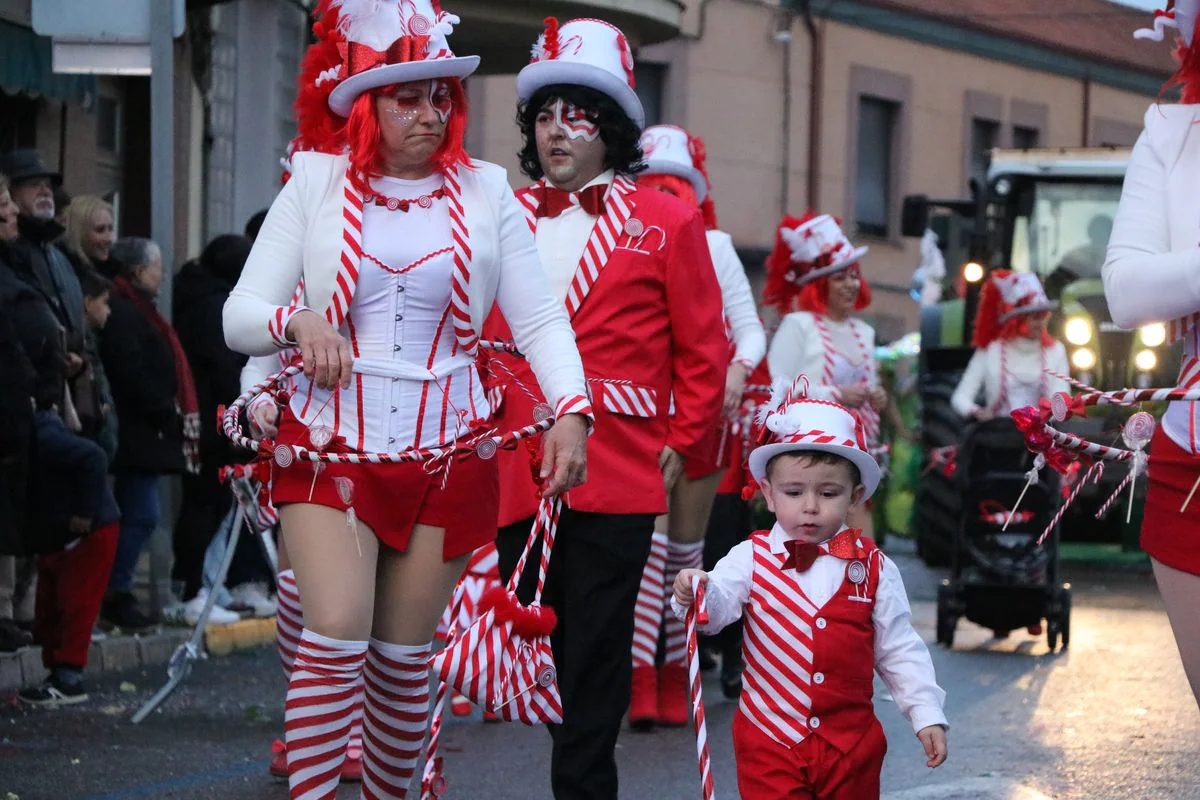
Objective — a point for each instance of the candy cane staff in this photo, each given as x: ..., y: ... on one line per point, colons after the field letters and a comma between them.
x: 813, y: 585
x: 1153, y: 275
x: 1014, y: 352
x: 632, y: 267
x: 675, y: 164
x: 815, y: 282
x: 403, y: 244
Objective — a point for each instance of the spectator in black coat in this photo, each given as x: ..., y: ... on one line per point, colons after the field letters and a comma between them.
x: 139, y: 356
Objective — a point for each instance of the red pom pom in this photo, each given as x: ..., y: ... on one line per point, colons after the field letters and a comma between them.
x: 528, y: 621
x: 550, y: 44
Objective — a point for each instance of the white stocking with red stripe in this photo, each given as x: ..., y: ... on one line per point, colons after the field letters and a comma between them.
x: 395, y: 717
x: 289, y: 619
x: 647, y: 617
x: 679, y: 557
x: 321, y: 703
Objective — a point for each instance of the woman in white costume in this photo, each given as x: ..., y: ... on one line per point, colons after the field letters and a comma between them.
x: 402, y: 244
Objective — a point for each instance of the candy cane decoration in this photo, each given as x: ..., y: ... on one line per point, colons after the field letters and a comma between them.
x: 698, y: 613
x: 1075, y: 384
x: 1094, y: 474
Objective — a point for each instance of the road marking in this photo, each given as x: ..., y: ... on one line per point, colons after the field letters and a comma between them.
x: 984, y: 788
x: 161, y: 788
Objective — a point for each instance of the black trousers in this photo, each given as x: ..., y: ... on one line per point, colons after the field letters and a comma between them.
x: 729, y: 525
x: 592, y: 585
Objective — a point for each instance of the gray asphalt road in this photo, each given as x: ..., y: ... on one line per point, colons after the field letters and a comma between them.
x: 1111, y: 719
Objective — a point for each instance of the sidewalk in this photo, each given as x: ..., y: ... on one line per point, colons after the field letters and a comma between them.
x: 123, y: 653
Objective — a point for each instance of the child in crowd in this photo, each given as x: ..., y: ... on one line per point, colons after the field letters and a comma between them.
x: 823, y: 609
x: 72, y: 521
x: 95, y: 410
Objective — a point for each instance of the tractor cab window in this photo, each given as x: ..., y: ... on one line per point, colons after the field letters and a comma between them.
x: 1062, y: 228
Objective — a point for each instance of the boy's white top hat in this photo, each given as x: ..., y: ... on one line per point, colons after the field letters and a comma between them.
x: 668, y: 150
x: 1023, y: 294
x: 1180, y: 15
x: 584, y: 52
x: 821, y: 241
x: 798, y: 424
x: 393, y: 41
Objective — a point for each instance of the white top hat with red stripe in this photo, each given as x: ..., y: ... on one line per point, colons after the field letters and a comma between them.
x: 1180, y: 15
x: 584, y: 52
x: 670, y: 150
x: 798, y: 424
x: 1022, y: 293
x: 820, y: 241
x: 393, y: 41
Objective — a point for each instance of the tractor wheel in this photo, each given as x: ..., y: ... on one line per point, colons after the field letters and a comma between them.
x: 939, y: 507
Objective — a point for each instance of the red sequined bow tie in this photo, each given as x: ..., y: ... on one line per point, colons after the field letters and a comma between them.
x: 802, y: 555
x: 555, y: 201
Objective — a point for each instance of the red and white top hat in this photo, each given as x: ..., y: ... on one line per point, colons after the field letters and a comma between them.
x: 584, y: 52
x: 798, y: 424
x: 670, y: 150
x: 819, y: 242
x: 1022, y: 293
x: 392, y: 41
x: 1181, y: 15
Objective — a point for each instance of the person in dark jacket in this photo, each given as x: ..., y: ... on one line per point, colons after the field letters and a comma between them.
x: 151, y: 386
x: 201, y: 289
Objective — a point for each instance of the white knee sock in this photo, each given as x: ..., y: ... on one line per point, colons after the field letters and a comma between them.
x: 289, y: 619
x: 679, y: 557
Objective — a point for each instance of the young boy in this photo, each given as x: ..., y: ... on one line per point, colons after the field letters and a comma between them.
x: 823, y: 609
x: 91, y: 390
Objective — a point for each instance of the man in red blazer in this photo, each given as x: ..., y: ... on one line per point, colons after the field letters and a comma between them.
x: 633, y: 268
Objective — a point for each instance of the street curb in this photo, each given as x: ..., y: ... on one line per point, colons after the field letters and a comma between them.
x: 23, y: 669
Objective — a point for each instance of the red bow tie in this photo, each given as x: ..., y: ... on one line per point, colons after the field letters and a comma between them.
x: 554, y: 201
x: 802, y: 555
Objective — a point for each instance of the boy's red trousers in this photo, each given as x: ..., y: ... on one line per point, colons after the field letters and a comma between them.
x: 70, y: 589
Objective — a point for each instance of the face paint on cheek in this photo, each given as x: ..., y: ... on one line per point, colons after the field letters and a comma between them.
x: 441, y: 100
x: 404, y: 110
x: 572, y: 120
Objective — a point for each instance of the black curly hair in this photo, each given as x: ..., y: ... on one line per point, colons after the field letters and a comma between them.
x: 619, y: 133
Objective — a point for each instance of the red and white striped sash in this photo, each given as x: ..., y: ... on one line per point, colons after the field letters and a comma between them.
x: 606, y: 233
x: 1179, y: 328
x: 871, y: 419
x: 778, y: 647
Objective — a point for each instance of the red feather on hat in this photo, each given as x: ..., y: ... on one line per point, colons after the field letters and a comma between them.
x: 700, y: 161
x: 550, y: 42
x: 318, y: 129
x: 779, y: 291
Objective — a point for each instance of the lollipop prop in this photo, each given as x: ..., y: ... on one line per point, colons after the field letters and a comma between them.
x: 697, y: 613
x: 1139, y: 430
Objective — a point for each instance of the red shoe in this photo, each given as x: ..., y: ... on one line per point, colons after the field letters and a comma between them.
x: 1035, y: 630
x: 492, y: 716
x: 278, y: 768
x: 643, y: 701
x: 460, y: 706
x: 673, y: 704
x: 352, y: 766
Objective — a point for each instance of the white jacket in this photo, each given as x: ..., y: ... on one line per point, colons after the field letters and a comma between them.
x: 302, y: 239
x: 749, y: 339
x: 797, y: 349
x: 1153, y: 269
x: 1025, y: 383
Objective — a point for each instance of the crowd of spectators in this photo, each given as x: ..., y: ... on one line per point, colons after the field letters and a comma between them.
x: 102, y: 399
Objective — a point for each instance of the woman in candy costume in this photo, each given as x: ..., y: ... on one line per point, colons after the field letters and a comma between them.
x: 1014, y: 353
x: 1152, y: 274
x: 815, y: 282
x: 403, y: 245
x: 675, y: 164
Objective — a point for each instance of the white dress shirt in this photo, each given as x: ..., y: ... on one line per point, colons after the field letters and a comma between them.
x: 901, y: 658
x: 561, y: 239
x: 415, y: 388
x: 1013, y: 371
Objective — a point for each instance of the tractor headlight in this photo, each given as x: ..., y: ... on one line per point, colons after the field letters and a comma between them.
x: 972, y: 272
x: 1078, y: 331
x: 1154, y: 335
x: 1146, y: 361
x: 1083, y: 359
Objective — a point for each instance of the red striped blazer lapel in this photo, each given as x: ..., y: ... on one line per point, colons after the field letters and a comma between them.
x: 608, y: 230
x: 531, y: 199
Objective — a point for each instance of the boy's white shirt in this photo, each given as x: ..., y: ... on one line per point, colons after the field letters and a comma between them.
x: 901, y: 657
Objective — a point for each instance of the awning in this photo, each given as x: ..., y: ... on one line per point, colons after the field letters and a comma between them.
x: 26, y: 68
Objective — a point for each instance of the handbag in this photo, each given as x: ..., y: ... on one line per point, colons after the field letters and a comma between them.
x: 503, y: 661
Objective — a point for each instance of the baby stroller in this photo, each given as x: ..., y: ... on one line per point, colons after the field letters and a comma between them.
x: 1002, y: 579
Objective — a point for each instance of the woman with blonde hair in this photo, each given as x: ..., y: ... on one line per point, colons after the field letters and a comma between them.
x: 90, y: 235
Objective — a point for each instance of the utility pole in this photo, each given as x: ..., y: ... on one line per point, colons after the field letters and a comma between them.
x: 162, y: 143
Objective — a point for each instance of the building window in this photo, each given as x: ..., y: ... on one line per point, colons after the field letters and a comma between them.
x: 18, y: 121
x: 650, y: 84
x: 1024, y: 138
x: 108, y: 124
x: 874, y: 176
x: 985, y: 136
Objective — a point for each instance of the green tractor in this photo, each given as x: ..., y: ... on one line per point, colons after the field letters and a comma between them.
x: 1050, y: 212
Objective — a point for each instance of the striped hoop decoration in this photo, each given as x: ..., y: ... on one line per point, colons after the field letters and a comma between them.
x: 697, y: 613
x: 460, y: 301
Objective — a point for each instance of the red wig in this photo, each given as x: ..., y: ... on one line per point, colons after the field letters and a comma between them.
x: 700, y: 159
x: 320, y: 130
x: 671, y: 185
x: 814, y: 297
x: 1188, y: 74
x: 988, y: 327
